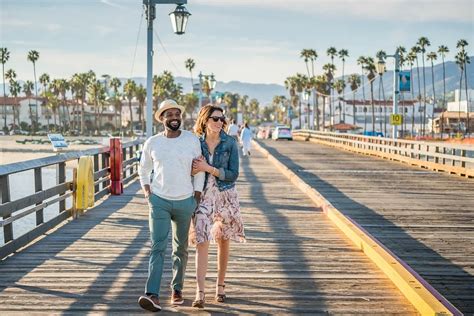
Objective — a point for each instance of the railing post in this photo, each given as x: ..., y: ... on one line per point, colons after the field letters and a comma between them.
x: 96, y: 168
x: 124, y: 157
x: 74, y: 193
x: 39, y: 187
x: 130, y: 153
x: 436, y: 152
x: 463, y: 154
x: 105, y: 164
x: 61, y: 178
x: 5, y: 197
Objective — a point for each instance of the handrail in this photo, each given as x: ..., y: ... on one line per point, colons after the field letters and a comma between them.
x: 452, y: 158
x: 10, y: 211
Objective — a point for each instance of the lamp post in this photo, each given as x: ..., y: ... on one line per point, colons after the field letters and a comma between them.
x: 396, y: 89
x: 179, y: 20
x: 210, y: 85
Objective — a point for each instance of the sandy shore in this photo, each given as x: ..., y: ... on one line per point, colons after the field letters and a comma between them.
x: 11, y: 151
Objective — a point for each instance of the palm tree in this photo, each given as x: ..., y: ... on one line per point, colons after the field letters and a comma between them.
x: 33, y: 56
x: 44, y: 81
x: 362, y: 61
x: 4, y: 56
x: 129, y: 90
x: 329, y: 70
x: 461, y: 60
x: 370, y: 68
x: 190, y: 64
x: 461, y: 44
x: 10, y: 75
x: 323, y: 88
x: 331, y: 52
x: 415, y: 50
x: 442, y: 51
x: 80, y: 82
x: 140, y: 94
x: 96, y: 89
x: 432, y: 57
x: 300, y: 82
x: 27, y: 88
x: 354, y: 81
x: 306, y: 55
x: 343, y: 53
x: 115, y: 83
x: 339, y: 85
x: 423, y: 42
x: 15, y: 90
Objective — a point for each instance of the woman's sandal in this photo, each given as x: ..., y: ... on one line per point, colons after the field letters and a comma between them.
x: 220, y: 297
x: 200, y: 302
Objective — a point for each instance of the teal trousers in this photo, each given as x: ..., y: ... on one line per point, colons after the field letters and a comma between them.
x: 166, y: 214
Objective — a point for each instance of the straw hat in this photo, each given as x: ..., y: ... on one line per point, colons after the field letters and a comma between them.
x: 166, y: 105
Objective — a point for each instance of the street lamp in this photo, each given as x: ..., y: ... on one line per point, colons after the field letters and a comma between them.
x: 210, y: 85
x: 179, y: 20
x: 396, y: 89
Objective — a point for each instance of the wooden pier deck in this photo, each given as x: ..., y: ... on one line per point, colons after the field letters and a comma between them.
x: 295, y: 260
x: 426, y: 218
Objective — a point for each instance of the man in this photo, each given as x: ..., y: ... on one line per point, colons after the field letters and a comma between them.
x: 233, y: 130
x: 172, y: 196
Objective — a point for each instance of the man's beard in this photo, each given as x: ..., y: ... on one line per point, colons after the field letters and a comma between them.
x: 174, y: 128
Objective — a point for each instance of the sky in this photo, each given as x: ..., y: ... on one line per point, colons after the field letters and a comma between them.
x: 257, y: 41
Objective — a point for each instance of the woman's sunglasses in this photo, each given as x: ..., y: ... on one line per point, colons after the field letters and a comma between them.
x: 217, y: 118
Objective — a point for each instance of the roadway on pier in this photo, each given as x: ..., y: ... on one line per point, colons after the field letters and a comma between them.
x: 425, y: 217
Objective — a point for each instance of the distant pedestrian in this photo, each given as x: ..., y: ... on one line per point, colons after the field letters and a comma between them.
x: 233, y: 130
x: 246, y: 139
x: 172, y: 197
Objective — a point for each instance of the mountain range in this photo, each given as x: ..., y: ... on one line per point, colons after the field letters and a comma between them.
x: 265, y: 92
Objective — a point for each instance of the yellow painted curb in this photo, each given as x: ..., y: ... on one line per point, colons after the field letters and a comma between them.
x: 85, y: 183
x: 423, y: 297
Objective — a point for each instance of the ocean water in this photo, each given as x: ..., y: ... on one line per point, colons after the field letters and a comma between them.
x: 22, y: 184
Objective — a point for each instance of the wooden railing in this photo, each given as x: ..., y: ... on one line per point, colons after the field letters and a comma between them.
x: 452, y: 158
x: 11, y: 211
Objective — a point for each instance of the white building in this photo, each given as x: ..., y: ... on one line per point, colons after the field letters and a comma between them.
x: 460, y: 104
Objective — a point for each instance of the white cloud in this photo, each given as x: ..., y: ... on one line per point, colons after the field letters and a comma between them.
x: 112, y: 4
x: 53, y: 27
x: 405, y: 10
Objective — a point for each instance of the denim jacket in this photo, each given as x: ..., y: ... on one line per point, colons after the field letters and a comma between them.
x: 226, y: 159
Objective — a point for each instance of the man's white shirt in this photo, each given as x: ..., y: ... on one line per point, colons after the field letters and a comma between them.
x: 171, y: 159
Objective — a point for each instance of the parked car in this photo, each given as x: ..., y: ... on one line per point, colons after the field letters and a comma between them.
x: 18, y: 132
x: 282, y: 132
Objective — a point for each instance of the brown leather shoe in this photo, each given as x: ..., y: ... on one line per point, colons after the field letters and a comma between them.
x: 177, y: 297
x: 150, y: 303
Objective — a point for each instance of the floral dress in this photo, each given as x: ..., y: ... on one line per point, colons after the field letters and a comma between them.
x: 217, y: 216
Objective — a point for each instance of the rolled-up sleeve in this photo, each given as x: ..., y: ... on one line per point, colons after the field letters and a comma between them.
x: 146, y: 165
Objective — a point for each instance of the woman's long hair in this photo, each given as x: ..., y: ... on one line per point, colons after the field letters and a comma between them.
x: 203, y: 116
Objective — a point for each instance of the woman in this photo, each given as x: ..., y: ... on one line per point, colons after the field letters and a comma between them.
x: 217, y: 217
